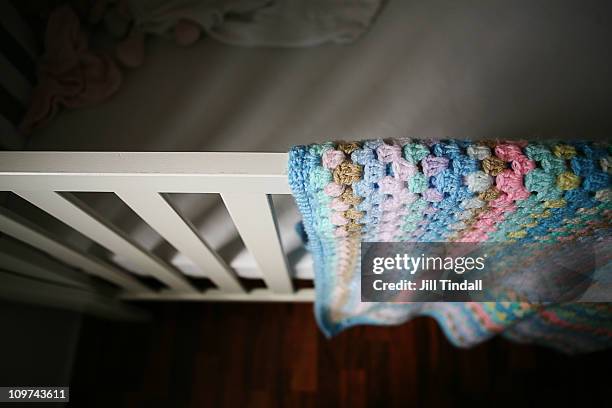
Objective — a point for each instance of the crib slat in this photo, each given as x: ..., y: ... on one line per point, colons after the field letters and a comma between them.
x: 159, y: 214
x: 215, y: 295
x: 253, y: 216
x: 19, y: 288
x: 23, y: 230
x: 81, y: 219
x: 26, y: 261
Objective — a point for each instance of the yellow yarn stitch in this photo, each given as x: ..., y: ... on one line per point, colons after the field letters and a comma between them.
x: 517, y: 234
x: 564, y: 151
x: 558, y: 203
x: 348, y: 148
x: 349, y: 197
x: 353, y: 214
x: 352, y: 226
x: 544, y: 214
x: 347, y: 173
x: 491, y: 194
x: 568, y: 181
x: 493, y: 165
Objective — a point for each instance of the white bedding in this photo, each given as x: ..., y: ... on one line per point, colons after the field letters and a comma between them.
x: 425, y: 69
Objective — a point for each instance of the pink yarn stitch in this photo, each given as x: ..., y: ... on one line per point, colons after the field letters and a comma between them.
x: 391, y: 216
x: 473, y: 236
x: 511, y: 152
x: 333, y: 189
x: 388, y: 153
x: 407, y: 197
x: 504, y: 203
x: 391, y: 204
x: 387, y: 236
x: 389, y: 226
x: 511, y: 183
x: 338, y: 219
x: 332, y: 159
x: 340, y: 233
x: 522, y: 165
x: 433, y: 195
x: 390, y: 185
x: 403, y: 170
x: 433, y: 165
x: 508, y: 152
x: 488, y: 225
x: 339, y: 205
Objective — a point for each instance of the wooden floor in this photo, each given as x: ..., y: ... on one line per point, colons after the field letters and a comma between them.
x: 272, y: 355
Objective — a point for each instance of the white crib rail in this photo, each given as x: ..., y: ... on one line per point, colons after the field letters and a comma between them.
x: 254, y: 218
x: 244, y: 180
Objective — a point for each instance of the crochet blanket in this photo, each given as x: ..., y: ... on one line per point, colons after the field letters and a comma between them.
x: 453, y: 191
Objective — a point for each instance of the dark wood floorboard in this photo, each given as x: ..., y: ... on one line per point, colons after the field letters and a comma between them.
x: 272, y: 355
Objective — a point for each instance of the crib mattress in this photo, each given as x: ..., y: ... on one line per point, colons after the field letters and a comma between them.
x: 425, y: 69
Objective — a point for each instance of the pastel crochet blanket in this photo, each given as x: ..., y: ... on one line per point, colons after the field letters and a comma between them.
x: 452, y: 191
